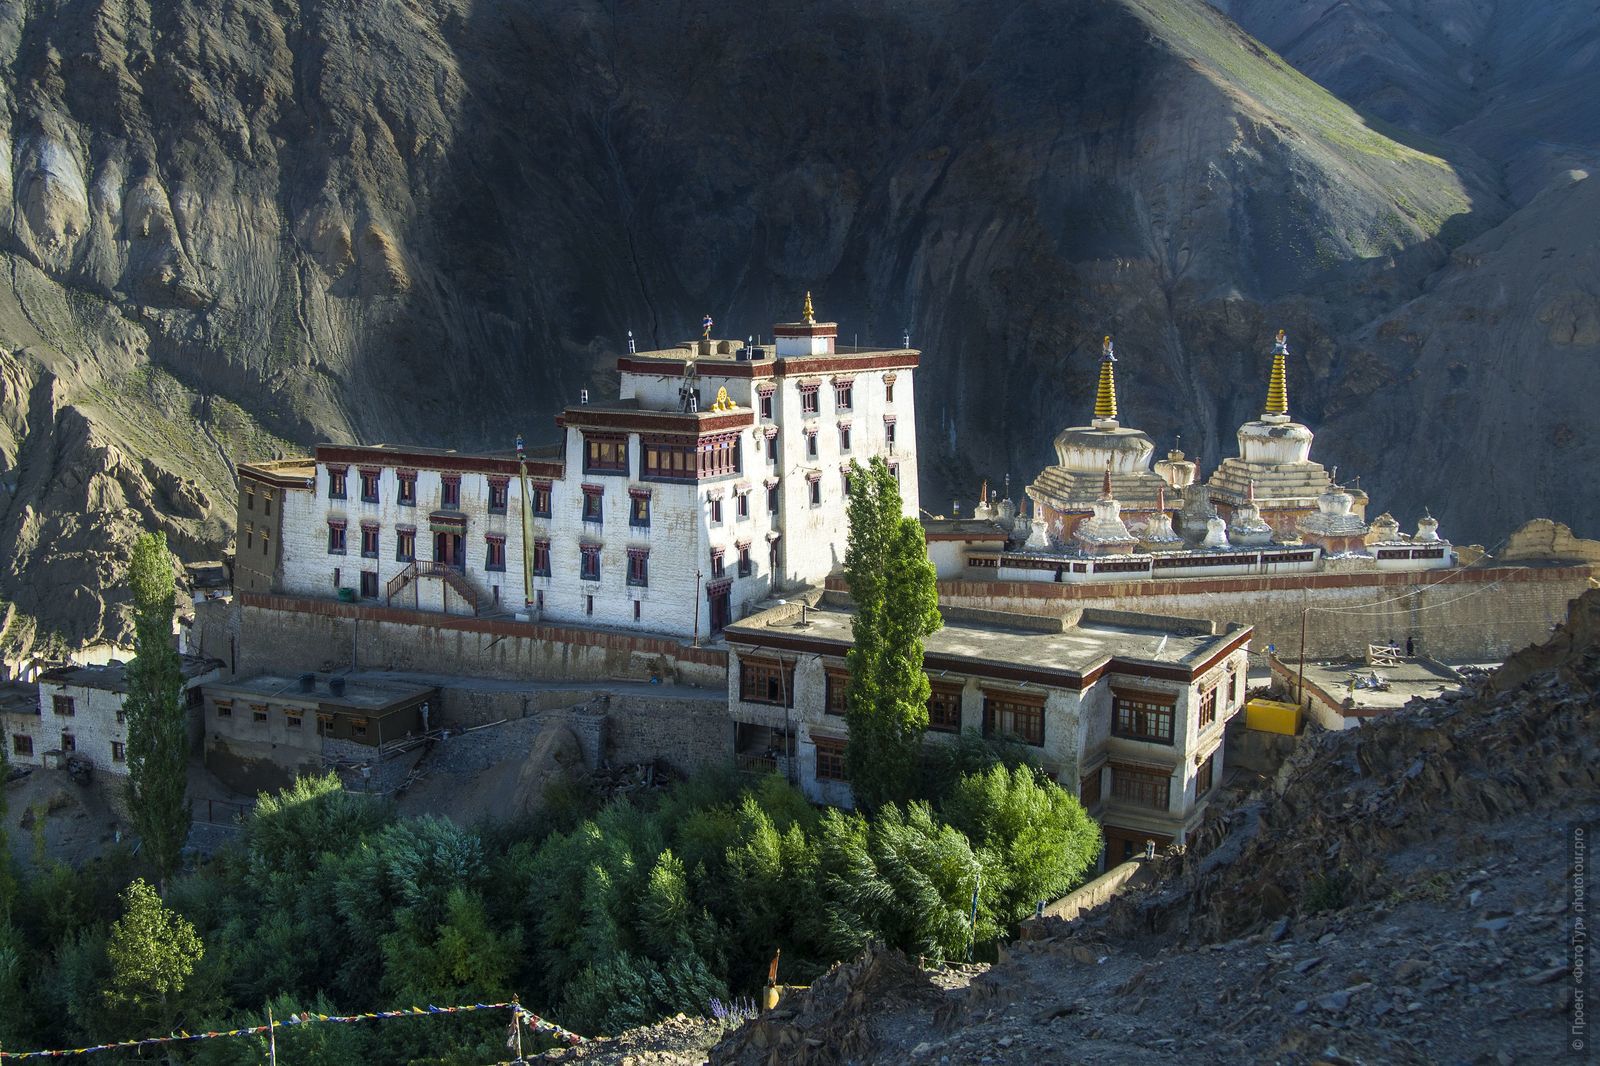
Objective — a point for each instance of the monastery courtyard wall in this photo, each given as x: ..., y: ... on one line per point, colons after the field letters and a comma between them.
x: 291, y: 634
x: 1461, y: 615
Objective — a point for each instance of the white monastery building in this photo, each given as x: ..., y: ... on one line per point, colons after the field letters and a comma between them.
x: 717, y: 478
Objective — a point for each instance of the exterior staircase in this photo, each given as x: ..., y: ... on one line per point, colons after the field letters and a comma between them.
x: 452, y: 576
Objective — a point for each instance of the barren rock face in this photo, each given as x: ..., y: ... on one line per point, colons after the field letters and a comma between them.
x: 232, y: 228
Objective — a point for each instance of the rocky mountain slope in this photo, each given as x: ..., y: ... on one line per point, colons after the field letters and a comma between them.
x: 1400, y: 894
x: 231, y: 228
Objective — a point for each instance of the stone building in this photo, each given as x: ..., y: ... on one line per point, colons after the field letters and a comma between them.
x: 717, y: 477
x: 77, y: 710
x: 1126, y: 711
x: 264, y: 489
x: 261, y: 732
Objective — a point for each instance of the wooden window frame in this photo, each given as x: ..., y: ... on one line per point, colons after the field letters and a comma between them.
x: 1089, y: 791
x: 1140, y: 716
x: 369, y: 478
x: 450, y: 492
x: 494, y: 548
x: 1141, y: 787
x: 594, y: 504
x: 405, y: 546
x: 767, y: 681
x: 843, y: 395
x: 58, y: 701
x: 541, y: 558
x: 1205, y: 777
x: 639, y: 509
x: 1025, y: 709
x: 543, y: 498
x: 293, y: 719
x: 639, y: 568
x: 338, y: 482
x: 1206, y: 716
x: 499, y: 495
x: 747, y: 565
x: 605, y: 453
x: 836, y: 691
x: 337, y: 540
x: 940, y: 697
x: 22, y: 744
x: 224, y: 708
x: 406, y: 489
x: 588, y: 562
x: 260, y: 713
x: 830, y: 759
x: 369, y: 534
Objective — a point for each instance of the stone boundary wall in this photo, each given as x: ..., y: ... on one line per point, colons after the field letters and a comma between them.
x: 292, y: 634
x: 612, y: 728
x: 1086, y: 898
x: 1461, y: 614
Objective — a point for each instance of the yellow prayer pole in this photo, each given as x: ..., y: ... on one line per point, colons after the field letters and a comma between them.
x: 527, y: 546
x: 272, y: 1038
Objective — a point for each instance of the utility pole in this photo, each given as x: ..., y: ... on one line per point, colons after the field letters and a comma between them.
x: 1300, y: 688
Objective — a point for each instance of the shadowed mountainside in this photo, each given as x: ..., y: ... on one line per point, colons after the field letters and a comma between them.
x: 231, y: 228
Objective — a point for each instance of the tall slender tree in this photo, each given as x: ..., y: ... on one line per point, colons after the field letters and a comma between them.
x: 158, y: 742
x: 896, y: 599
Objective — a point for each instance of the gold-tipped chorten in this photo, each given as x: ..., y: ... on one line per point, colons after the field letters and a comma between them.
x: 1105, y: 397
x: 808, y: 316
x: 1278, y: 387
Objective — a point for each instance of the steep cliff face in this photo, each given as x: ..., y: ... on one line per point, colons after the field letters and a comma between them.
x: 233, y: 227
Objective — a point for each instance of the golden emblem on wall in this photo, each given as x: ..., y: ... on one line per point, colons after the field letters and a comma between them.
x: 723, y: 403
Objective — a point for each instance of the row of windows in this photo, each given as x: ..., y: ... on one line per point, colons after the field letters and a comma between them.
x: 1004, y: 714
x: 22, y: 744
x: 716, y: 455
x: 293, y: 718
x: 406, y: 488
x: 1151, y: 718
x: 944, y: 702
x: 250, y: 537
x: 250, y: 498
x: 810, y: 402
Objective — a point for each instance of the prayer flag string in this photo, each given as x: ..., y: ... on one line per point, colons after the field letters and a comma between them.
x: 527, y: 1017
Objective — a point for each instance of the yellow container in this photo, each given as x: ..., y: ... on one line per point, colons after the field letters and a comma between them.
x: 1271, y: 716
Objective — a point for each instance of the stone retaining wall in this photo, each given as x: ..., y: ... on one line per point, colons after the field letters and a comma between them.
x: 290, y: 634
x: 1462, y: 615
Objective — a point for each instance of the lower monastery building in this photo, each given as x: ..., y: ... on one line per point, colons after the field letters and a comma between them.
x: 1126, y: 711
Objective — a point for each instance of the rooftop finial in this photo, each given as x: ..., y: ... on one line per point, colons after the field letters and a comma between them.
x: 1105, y: 487
x: 808, y: 316
x: 705, y: 327
x: 1278, y: 387
x: 631, y: 350
x: 1105, y: 397
x: 1161, y: 498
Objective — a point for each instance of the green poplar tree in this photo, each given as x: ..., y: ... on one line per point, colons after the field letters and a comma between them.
x: 153, y: 952
x: 158, y: 741
x: 896, y: 596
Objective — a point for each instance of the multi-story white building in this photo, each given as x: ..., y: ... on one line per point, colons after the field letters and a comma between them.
x: 78, y: 712
x: 1126, y: 711
x: 718, y: 477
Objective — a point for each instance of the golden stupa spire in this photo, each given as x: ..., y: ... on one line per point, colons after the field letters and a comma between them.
x: 1278, y: 388
x: 808, y: 316
x: 1105, y: 396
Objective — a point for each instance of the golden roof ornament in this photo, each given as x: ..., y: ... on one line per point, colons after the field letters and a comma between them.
x: 1278, y: 387
x: 1105, y: 397
x: 808, y: 316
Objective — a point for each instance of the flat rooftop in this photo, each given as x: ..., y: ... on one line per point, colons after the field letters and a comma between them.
x: 113, y: 677
x: 19, y: 697
x: 364, y: 694
x: 1426, y: 678
x: 1073, y: 645
x: 726, y: 351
